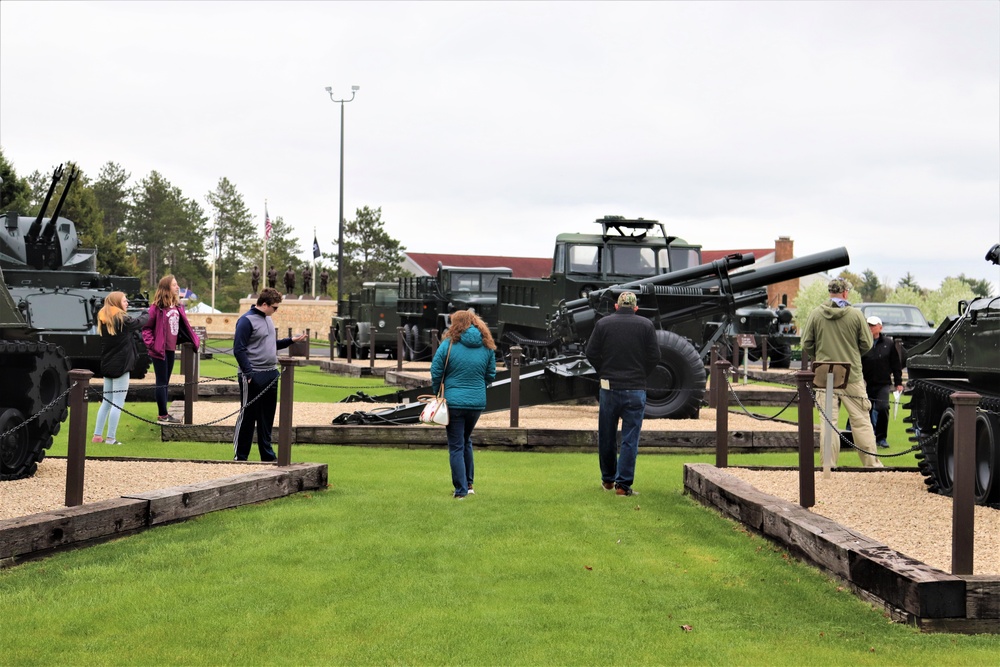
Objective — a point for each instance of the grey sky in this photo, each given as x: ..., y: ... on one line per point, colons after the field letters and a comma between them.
x: 488, y: 128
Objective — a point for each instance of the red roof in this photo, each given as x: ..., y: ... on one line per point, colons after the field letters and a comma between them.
x: 523, y: 267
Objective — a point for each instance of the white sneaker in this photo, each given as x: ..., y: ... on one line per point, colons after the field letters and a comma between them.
x: 471, y: 492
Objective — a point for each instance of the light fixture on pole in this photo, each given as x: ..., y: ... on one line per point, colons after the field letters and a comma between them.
x: 340, y: 219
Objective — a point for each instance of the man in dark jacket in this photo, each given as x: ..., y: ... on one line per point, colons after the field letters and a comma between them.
x: 878, y: 364
x: 623, y: 350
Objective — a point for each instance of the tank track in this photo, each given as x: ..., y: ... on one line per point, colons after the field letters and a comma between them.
x: 931, y: 427
x: 36, y: 374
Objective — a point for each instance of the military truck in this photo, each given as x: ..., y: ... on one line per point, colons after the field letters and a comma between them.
x: 56, y: 286
x: 367, y: 316
x: 425, y: 303
x: 625, y: 250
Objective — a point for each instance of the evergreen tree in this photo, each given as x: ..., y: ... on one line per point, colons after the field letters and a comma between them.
x: 980, y: 287
x: 156, y: 227
x: 908, y: 282
x: 232, y: 222
x: 370, y: 254
x: 15, y: 193
x: 113, y: 196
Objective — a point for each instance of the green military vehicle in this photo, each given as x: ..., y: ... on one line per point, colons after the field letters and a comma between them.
x: 366, y: 317
x: 625, y: 250
x: 425, y: 303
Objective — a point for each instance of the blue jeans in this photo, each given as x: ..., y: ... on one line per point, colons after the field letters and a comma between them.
x: 115, y: 391
x: 459, y: 430
x: 627, y: 405
x: 163, y: 368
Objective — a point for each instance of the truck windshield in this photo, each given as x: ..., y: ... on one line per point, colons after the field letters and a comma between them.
x: 634, y: 261
x: 585, y: 259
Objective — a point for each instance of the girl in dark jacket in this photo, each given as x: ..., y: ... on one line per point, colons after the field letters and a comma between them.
x: 167, y: 327
x: 117, y: 360
x: 466, y: 363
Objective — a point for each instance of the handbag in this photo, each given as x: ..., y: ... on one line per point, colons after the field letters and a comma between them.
x: 435, y: 410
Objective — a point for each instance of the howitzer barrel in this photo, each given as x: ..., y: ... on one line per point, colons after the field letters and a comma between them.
x: 786, y: 270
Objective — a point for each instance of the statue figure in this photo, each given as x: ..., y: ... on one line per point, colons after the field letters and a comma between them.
x: 290, y: 280
x: 324, y: 278
x: 307, y: 280
x: 255, y: 279
x: 272, y: 277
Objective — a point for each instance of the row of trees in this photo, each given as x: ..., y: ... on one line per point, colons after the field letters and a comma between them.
x: 150, y: 228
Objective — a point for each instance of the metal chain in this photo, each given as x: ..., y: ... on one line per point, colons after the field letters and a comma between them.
x: 756, y: 416
x: 38, y: 414
x: 850, y: 444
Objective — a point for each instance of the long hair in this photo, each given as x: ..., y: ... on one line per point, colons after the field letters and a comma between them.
x: 165, y: 297
x: 112, y: 315
x: 461, y: 320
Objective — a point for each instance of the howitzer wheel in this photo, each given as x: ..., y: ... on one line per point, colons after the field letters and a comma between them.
x: 35, y: 384
x: 676, y: 388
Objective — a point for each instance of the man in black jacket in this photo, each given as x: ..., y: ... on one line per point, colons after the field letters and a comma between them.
x: 877, y: 365
x: 623, y: 350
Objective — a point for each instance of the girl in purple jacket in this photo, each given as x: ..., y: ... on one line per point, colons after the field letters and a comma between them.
x: 166, y: 328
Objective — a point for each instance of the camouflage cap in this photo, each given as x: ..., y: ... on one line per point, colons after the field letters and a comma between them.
x: 838, y: 285
x: 626, y: 300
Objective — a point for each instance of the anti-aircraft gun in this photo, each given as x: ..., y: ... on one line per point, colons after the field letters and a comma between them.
x: 963, y: 354
x: 55, y: 285
x: 672, y: 301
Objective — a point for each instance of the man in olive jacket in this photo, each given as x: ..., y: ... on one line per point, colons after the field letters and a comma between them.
x: 837, y: 331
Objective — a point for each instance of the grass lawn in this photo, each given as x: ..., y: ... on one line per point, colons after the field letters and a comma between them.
x: 540, y: 567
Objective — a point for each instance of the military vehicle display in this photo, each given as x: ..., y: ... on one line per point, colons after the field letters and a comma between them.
x: 425, y: 303
x: 963, y: 355
x: 675, y: 302
x: 777, y: 325
x: 55, y: 284
x: 360, y: 317
x: 36, y: 377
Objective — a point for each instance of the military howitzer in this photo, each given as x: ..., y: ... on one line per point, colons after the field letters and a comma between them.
x: 55, y: 285
x: 963, y: 355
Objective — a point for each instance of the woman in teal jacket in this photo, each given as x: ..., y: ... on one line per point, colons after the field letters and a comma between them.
x: 466, y: 363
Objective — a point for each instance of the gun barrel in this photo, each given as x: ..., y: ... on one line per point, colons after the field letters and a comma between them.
x: 786, y: 270
x: 36, y: 226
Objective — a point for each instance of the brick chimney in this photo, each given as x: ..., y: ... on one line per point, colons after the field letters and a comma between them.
x: 785, y: 291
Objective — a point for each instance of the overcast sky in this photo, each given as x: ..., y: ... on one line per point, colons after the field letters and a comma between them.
x: 490, y: 127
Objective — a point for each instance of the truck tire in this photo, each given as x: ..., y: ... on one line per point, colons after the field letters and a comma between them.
x: 676, y: 388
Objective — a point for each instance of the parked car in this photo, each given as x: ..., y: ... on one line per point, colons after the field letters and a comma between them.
x: 903, y: 322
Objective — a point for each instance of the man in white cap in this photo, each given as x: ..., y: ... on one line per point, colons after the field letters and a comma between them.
x: 883, y: 371
x: 624, y: 352
x: 837, y: 331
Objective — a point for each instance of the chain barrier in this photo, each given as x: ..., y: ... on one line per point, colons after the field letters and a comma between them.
x: 844, y: 441
x: 753, y: 415
x: 97, y: 393
x: 46, y: 408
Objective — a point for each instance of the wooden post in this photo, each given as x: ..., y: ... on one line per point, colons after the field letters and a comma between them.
x: 515, y: 385
x: 190, y: 385
x: 713, y: 376
x: 721, y: 416
x: 399, y: 348
x: 77, y: 454
x: 807, y: 444
x: 308, y: 338
x: 285, y: 403
x: 964, y: 485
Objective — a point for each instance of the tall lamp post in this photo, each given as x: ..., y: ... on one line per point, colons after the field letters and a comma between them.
x: 340, y: 220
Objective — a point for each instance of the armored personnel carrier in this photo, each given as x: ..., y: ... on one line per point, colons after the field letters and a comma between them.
x: 55, y: 285
x: 33, y: 394
x: 962, y: 355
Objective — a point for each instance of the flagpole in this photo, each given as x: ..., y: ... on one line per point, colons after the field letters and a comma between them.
x: 215, y: 258
x: 314, y: 266
x: 263, y: 275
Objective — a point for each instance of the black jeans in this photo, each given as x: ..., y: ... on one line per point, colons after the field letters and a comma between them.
x: 163, y: 368
x: 258, y: 401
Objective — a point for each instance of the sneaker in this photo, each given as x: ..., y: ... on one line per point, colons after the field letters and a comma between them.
x: 97, y: 438
x: 607, y: 486
x: 882, y: 444
x: 458, y: 497
x: 471, y: 492
x: 625, y: 491
x: 112, y: 441
x: 167, y: 419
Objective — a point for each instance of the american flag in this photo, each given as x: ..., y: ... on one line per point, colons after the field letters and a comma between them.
x: 267, y: 224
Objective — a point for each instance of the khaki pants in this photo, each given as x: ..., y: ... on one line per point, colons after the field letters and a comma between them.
x: 855, y: 398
